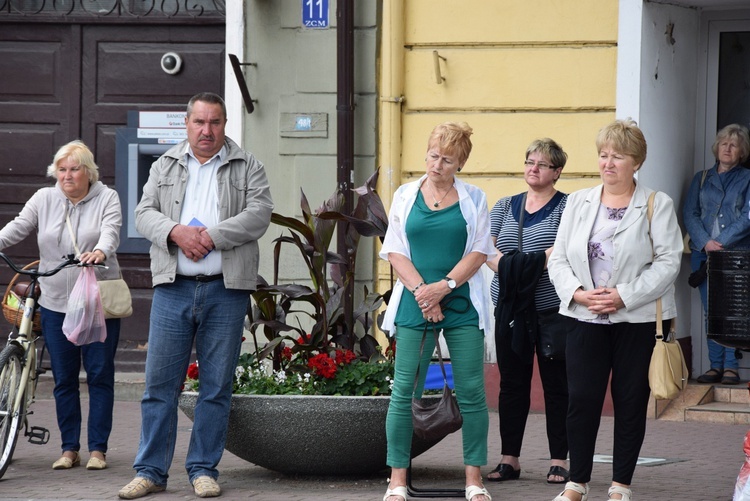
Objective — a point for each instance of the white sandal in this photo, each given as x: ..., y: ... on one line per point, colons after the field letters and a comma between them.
x: 626, y: 494
x: 475, y: 490
x: 396, y: 491
x: 582, y: 489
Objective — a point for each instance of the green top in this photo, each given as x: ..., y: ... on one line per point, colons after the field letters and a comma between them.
x: 437, y: 240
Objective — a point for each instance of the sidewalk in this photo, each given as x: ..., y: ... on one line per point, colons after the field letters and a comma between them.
x: 703, y: 462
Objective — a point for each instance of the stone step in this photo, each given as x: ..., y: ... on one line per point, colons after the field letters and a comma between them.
x: 732, y: 394
x: 719, y: 412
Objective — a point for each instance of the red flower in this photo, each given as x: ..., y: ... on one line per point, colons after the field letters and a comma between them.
x: 286, y: 353
x: 344, y: 357
x: 192, y: 371
x: 323, y: 365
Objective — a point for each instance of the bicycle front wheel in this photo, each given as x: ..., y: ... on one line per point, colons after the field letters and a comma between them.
x: 11, y: 366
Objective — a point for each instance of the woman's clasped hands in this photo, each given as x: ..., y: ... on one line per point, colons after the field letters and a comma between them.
x: 428, y: 298
x: 600, y: 300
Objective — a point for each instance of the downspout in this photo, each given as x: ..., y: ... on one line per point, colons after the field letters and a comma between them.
x: 391, y: 101
x: 345, y: 138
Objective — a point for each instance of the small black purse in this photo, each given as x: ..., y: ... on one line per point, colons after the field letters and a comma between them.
x: 435, y: 420
x: 552, y: 334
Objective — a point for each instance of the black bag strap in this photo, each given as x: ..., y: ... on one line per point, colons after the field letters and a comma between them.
x: 520, y: 222
x: 427, y: 325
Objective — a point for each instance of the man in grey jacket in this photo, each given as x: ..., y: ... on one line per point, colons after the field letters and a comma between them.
x: 204, y: 207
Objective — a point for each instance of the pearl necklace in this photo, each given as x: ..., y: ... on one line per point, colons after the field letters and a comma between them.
x: 436, y: 203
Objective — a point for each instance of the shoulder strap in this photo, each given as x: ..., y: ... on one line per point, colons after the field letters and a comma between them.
x: 520, y: 222
x: 72, y: 235
x: 650, y: 213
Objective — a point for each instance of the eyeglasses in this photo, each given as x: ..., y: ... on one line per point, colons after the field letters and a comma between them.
x: 541, y: 165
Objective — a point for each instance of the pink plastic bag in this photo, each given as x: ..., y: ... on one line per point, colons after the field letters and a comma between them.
x: 84, y: 319
x: 742, y: 487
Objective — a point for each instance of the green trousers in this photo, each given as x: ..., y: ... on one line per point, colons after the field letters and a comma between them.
x: 466, y: 346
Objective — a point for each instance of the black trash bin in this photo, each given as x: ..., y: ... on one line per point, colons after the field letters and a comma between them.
x: 729, y: 298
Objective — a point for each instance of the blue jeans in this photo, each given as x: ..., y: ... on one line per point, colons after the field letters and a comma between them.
x: 182, y: 312
x: 99, y: 364
x: 719, y: 356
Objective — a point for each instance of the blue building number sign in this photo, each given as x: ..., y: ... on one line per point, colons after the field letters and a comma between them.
x: 315, y: 14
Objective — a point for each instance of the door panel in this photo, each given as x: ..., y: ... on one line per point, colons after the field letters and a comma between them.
x: 38, y: 104
x: 122, y: 71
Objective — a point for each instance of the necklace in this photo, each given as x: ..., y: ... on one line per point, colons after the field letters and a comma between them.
x: 436, y: 203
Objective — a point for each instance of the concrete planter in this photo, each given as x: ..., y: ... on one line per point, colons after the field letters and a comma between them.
x: 310, y: 435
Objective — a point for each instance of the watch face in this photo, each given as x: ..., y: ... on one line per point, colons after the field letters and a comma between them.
x: 451, y: 283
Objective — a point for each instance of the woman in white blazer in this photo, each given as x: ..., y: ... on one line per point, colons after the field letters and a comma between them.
x: 609, y: 269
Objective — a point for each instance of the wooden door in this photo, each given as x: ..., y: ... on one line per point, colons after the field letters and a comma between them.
x: 65, y: 81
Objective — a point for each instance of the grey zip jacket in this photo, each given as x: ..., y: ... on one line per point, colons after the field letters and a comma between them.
x: 96, y: 222
x: 245, y: 208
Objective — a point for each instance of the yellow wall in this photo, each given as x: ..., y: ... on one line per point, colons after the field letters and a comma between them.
x: 515, y: 70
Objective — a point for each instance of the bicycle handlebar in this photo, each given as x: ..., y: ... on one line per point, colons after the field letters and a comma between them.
x: 69, y: 260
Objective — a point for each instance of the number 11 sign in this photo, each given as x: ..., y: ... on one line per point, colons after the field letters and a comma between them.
x: 315, y: 14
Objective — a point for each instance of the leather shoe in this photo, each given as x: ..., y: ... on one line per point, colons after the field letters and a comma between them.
x: 96, y: 464
x: 66, y: 463
x: 139, y: 487
x: 505, y: 472
x: 710, y: 376
x: 206, y: 487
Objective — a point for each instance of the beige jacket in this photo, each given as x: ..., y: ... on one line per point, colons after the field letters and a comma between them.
x: 640, y: 277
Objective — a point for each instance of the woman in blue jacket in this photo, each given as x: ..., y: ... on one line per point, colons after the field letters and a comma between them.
x: 716, y: 218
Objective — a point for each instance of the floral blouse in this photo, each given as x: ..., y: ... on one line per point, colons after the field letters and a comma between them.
x: 602, y: 250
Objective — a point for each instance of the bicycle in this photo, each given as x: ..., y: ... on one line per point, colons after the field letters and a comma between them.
x: 20, y: 368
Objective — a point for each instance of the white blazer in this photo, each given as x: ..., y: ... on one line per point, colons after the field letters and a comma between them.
x: 640, y: 277
x: 473, y: 204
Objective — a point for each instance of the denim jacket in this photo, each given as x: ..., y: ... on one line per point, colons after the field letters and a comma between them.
x: 727, y: 202
x: 245, y: 208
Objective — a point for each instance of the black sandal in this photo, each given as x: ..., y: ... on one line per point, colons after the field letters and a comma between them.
x: 730, y: 377
x: 710, y: 376
x: 506, y: 472
x: 558, y: 471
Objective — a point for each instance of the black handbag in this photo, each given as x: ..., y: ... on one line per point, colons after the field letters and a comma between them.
x: 552, y: 334
x: 551, y: 330
x: 434, y: 420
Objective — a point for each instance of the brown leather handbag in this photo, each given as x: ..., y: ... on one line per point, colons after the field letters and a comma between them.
x: 434, y: 420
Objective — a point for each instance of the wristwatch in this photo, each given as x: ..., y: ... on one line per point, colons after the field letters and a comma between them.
x: 451, y: 283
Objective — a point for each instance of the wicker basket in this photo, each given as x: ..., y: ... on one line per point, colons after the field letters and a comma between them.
x: 14, y: 314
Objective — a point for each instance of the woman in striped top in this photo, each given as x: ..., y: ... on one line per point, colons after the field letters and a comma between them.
x: 520, y: 264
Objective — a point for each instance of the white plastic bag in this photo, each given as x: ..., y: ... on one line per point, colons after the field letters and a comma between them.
x: 742, y: 487
x: 84, y: 319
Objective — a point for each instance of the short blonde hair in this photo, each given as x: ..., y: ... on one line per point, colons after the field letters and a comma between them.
x: 452, y: 138
x: 81, y: 154
x: 625, y: 137
x: 733, y: 131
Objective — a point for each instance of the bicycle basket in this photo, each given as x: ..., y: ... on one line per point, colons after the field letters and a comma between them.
x: 14, y: 313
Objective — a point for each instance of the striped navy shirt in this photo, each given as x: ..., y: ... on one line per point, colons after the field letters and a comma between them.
x: 539, y: 231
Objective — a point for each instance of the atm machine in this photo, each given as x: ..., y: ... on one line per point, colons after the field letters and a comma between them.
x: 148, y: 135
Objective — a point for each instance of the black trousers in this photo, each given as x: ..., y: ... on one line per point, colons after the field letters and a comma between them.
x: 515, y: 399
x: 594, y: 351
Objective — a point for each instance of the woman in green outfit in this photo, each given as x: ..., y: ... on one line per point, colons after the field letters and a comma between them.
x: 438, y: 238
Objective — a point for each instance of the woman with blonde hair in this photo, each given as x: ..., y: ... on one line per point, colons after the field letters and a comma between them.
x: 95, y: 217
x: 442, y: 288
x: 609, y: 266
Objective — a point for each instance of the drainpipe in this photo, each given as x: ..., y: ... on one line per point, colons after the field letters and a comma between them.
x: 345, y: 137
x: 391, y: 92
